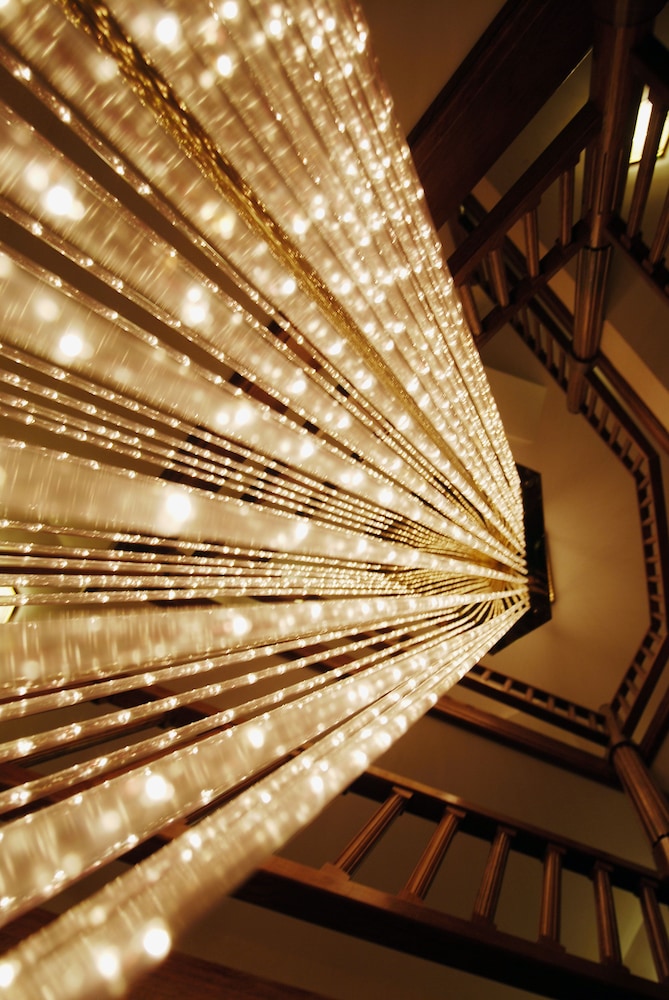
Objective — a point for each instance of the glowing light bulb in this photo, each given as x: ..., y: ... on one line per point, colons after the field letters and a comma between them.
x: 156, y: 940
x: 224, y: 65
x: 167, y: 30
x: 71, y: 344
x: 178, y: 507
x: 7, y: 974
x: 59, y: 200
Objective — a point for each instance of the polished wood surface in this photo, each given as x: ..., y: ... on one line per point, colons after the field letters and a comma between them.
x: 492, y: 96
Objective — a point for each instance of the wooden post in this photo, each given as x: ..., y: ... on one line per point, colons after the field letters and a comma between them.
x: 425, y: 871
x: 531, y: 230
x: 619, y: 27
x: 566, y: 206
x: 549, y: 918
x: 354, y: 854
x: 605, y: 913
x: 499, y: 282
x: 491, y: 883
x: 469, y: 308
x: 643, y: 791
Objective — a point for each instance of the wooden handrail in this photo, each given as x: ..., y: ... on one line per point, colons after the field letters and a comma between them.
x: 535, y: 701
x: 525, y: 288
x: 525, y: 739
x: 494, y: 94
x: 410, y: 926
x: 429, y: 803
x: 634, y: 404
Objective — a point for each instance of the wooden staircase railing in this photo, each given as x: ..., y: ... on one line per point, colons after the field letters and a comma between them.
x: 551, y: 708
x: 643, y: 235
x: 411, y: 920
x: 482, y: 253
x: 546, y: 327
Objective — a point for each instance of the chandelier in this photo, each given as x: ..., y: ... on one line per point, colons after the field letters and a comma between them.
x: 249, y: 457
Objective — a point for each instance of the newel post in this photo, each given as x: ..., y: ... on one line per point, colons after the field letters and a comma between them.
x: 642, y: 789
x: 614, y: 90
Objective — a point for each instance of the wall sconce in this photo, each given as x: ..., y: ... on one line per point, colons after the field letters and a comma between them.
x: 641, y: 130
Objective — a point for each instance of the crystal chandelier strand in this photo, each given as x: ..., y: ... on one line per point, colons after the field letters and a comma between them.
x: 128, y: 910
x: 52, y: 654
x: 160, y: 508
x: 496, y: 548
x: 146, y: 800
x: 143, y: 801
x: 188, y: 131
x: 269, y: 83
x: 129, y: 756
x: 234, y: 371
x: 140, y: 449
x: 184, y: 669
x: 286, y: 118
x: 68, y: 737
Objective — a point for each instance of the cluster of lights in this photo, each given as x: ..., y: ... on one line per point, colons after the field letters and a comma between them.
x: 251, y: 455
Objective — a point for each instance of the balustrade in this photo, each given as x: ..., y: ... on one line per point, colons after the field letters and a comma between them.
x: 483, y: 258
x: 546, y: 327
x: 641, y: 229
x: 413, y: 920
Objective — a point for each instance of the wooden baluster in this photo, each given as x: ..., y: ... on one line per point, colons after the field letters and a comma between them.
x: 533, y: 330
x: 354, y: 854
x: 550, y: 360
x: 614, y: 431
x: 607, y: 926
x: 491, y: 883
x: 541, y: 336
x: 566, y: 189
x: 549, y: 918
x: 531, y: 227
x: 655, y: 929
x: 499, y: 282
x: 469, y: 308
x: 646, y: 167
x: 427, y: 867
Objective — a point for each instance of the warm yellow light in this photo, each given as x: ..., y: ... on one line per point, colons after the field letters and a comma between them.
x: 6, y: 610
x: 641, y: 130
